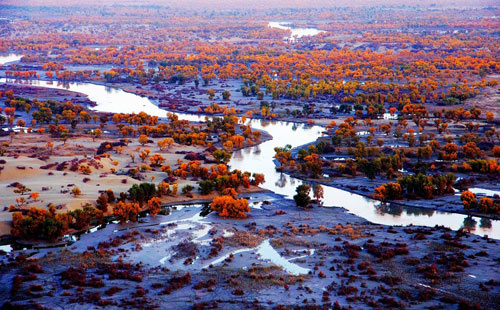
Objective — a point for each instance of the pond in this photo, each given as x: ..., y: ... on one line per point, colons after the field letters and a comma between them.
x: 260, y: 159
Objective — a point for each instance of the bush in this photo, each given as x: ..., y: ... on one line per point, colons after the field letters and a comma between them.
x: 187, y: 189
x: 76, y: 191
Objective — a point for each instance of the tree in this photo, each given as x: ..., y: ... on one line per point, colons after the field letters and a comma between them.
x: 389, y: 191
x: 126, y: 211
x: 96, y: 133
x: 229, y: 207
x: 485, y: 205
x: 142, y: 193
x: 318, y: 193
x: 144, y: 154
x: 34, y: 196
x: 221, y: 156
x: 496, y: 151
x: 143, y: 139
x: 302, y: 198
x: 211, y: 94
x: 237, y: 141
x: 154, y: 205
x: 471, y: 150
x: 102, y: 202
x: 39, y: 224
x: 156, y: 159
x: 226, y: 94
x: 468, y: 199
x: 489, y: 116
x: 206, y: 187
x: 167, y: 142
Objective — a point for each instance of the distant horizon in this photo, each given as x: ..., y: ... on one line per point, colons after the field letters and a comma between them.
x: 252, y: 4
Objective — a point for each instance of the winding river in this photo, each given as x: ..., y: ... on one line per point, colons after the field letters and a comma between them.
x: 260, y: 159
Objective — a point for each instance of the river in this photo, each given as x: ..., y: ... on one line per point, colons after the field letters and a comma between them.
x: 5, y: 59
x: 260, y: 159
x: 296, y: 32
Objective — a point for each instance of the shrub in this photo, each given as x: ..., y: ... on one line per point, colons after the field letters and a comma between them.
x: 76, y: 191
x: 187, y: 189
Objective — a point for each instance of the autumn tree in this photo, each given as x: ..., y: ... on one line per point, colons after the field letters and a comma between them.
x: 229, y: 207
x: 154, y: 205
x: 156, y: 159
x: 143, y: 139
x: 126, y: 211
x: 318, y: 193
x: 96, y: 133
x: 468, y: 199
x: 221, y: 156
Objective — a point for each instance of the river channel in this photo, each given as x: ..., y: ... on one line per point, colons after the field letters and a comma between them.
x: 260, y: 159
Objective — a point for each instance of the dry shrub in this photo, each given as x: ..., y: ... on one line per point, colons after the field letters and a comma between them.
x: 245, y: 239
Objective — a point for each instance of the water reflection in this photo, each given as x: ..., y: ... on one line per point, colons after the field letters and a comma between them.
x: 259, y: 159
x: 389, y: 208
x: 420, y: 211
x: 281, y: 182
x: 485, y: 223
x: 469, y: 224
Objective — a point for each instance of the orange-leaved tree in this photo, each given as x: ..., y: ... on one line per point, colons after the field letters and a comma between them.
x: 468, y: 199
x: 126, y: 211
x: 227, y: 206
x: 154, y: 205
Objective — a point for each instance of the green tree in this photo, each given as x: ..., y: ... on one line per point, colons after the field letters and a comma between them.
x: 302, y: 198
